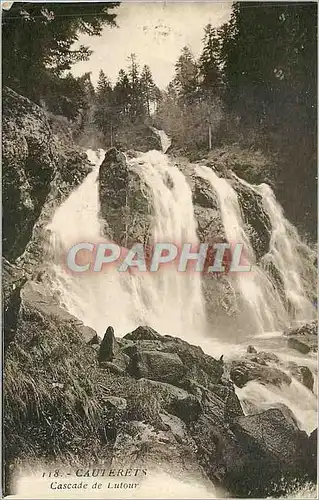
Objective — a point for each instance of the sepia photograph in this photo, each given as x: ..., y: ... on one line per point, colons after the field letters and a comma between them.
x: 159, y: 249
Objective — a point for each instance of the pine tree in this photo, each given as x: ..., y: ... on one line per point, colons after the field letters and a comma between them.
x: 89, y: 107
x: 150, y: 92
x: 136, y: 99
x: 66, y: 97
x: 103, y: 84
x: 186, y: 77
x: 210, y: 74
x: 38, y: 41
x: 104, y: 105
x: 269, y: 54
x: 122, y: 95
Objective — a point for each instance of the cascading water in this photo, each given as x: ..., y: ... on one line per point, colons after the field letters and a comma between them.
x: 96, y: 299
x: 176, y: 294
x: 164, y: 139
x: 261, y: 298
x: 263, y: 302
x: 256, y: 288
x: 285, y: 253
x: 171, y: 302
x: 167, y: 302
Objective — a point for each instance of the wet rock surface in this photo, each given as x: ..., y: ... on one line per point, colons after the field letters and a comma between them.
x: 267, y: 368
x: 125, y: 200
x: 303, y: 338
x: 203, y: 194
x: 242, y: 372
x: 303, y: 374
x: 257, y: 222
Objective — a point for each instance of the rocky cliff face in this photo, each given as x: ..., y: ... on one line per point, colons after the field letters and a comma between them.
x: 39, y: 172
x: 28, y: 169
x: 256, y: 220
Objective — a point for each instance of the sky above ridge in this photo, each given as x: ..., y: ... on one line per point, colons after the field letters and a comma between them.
x: 155, y: 32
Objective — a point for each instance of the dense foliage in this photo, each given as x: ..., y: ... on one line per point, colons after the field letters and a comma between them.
x: 38, y: 43
x: 132, y: 100
x: 269, y: 54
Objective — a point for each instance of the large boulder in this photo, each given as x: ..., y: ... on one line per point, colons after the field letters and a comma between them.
x: 246, y: 370
x: 157, y: 365
x: 174, y: 400
x: 186, y: 359
x: 39, y: 305
x: 139, y: 136
x: 275, y: 453
x: 107, y: 346
x: 303, y: 374
x: 125, y: 200
x: 254, y: 456
x: 303, y: 338
x: 143, y: 333
x: 312, y: 455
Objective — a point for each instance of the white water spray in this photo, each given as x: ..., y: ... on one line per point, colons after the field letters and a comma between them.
x: 168, y: 301
x: 296, y: 396
x: 285, y: 253
x: 163, y: 137
x: 261, y: 298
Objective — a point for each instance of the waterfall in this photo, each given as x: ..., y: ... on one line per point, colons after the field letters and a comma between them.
x: 96, y: 299
x: 168, y: 301
x: 165, y: 141
x: 260, y: 294
x: 163, y: 137
x: 260, y: 297
x: 172, y: 302
x: 285, y: 252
